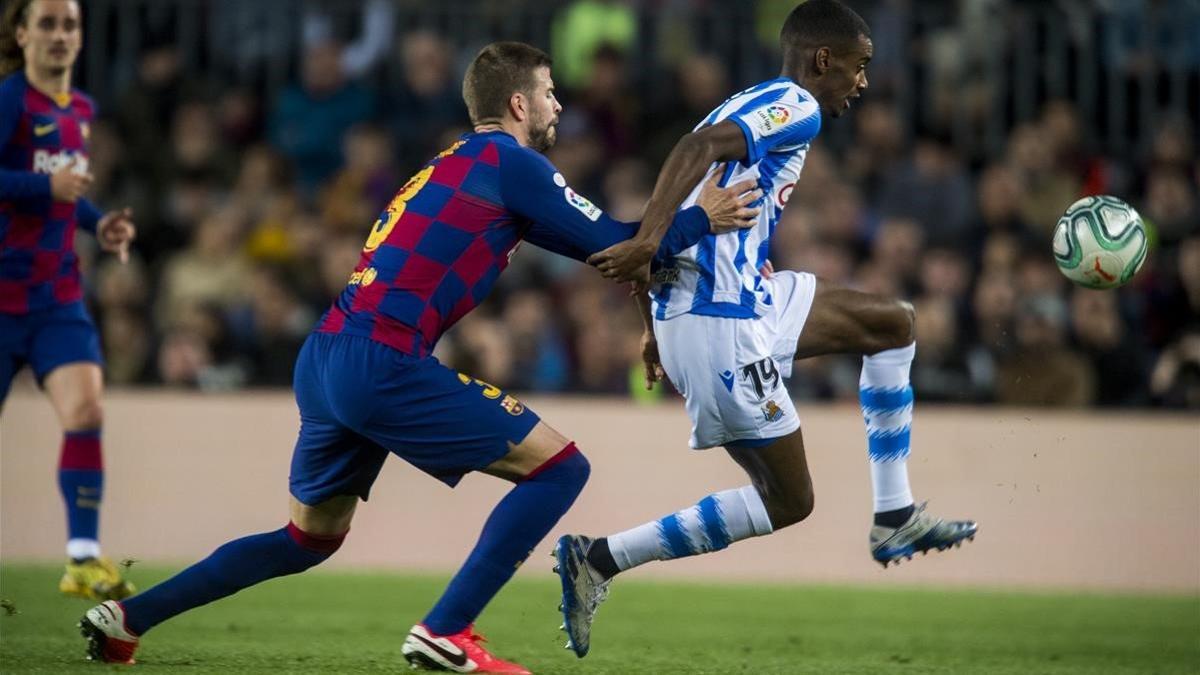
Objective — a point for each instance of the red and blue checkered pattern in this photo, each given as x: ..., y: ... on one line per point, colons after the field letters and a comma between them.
x: 451, y: 237
x: 38, y: 266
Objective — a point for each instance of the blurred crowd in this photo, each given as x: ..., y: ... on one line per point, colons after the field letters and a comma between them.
x: 252, y: 211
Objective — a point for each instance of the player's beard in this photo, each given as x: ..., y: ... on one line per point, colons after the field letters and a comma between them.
x: 542, y: 136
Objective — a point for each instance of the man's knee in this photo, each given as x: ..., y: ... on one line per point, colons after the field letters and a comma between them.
x: 83, y: 415
x: 569, y: 467
x: 895, y: 327
x: 324, y: 545
x: 790, y: 509
x: 330, y: 518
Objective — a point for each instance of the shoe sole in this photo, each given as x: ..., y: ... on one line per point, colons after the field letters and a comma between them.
x: 561, y: 555
x: 95, y: 640
x: 907, y: 552
x: 419, y: 661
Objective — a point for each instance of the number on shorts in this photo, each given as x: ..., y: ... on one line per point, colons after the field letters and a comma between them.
x: 763, y: 375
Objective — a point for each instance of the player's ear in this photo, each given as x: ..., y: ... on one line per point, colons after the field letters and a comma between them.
x: 821, y: 60
x: 518, y: 106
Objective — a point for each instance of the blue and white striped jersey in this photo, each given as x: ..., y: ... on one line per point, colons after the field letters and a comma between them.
x: 719, y: 275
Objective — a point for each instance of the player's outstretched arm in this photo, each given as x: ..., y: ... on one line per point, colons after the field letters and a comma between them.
x: 689, y: 160
x: 566, y: 223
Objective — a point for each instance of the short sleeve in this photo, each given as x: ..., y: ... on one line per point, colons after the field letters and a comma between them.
x: 778, y: 123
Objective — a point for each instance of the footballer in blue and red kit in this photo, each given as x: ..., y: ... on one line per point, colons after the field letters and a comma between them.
x: 44, y: 126
x: 42, y: 316
x: 431, y: 258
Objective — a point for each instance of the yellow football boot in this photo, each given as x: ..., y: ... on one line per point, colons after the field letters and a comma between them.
x: 95, y: 579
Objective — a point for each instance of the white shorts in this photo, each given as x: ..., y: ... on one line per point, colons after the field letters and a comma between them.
x: 730, y: 371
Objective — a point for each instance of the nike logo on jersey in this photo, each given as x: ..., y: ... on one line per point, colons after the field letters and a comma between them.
x: 43, y: 129
x: 727, y: 380
x: 459, y: 659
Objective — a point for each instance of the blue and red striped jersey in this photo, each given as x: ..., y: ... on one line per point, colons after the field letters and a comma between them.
x: 439, y: 246
x: 38, y: 136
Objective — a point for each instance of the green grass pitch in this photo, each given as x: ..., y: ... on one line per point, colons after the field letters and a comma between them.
x: 354, y: 623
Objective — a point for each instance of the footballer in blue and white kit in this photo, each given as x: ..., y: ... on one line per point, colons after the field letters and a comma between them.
x: 726, y: 334
x: 726, y: 329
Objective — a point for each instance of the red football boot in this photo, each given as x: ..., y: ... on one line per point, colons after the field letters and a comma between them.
x: 458, y: 653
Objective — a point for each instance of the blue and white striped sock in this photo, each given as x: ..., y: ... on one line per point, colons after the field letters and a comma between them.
x: 887, y: 404
x: 717, y: 521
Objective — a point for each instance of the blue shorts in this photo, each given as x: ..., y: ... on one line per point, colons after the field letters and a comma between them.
x: 360, y: 400
x: 46, y: 339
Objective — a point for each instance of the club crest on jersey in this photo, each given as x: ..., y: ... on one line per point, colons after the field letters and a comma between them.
x: 580, y: 202
x: 511, y: 405
x: 772, y: 118
x: 772, y: 411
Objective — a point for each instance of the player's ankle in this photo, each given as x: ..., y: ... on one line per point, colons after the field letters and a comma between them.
x: 895, y: 517
x: 600, y: 557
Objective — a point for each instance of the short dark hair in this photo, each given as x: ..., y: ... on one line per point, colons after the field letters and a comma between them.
x: 500, y: 70
x: 821, y: 23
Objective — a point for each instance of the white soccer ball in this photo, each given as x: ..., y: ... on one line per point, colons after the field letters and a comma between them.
x: 1100, y: 242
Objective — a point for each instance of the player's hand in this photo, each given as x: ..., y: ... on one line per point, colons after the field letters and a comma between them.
x: 116, y: 231
x: 68, y: 186
x: 626, y: 261
x: 729, y: 208
x: 654, y: 369
x: 766, y: 270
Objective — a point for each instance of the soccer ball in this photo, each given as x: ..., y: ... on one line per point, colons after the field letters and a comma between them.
x: 1100, y: 242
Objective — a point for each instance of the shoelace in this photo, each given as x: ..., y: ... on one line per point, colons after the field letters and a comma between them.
x: 598, y: 595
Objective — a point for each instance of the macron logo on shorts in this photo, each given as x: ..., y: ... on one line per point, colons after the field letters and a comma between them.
x: 727, y: 380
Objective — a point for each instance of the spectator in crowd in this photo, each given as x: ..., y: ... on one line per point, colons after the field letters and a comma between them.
x: 1117, y: 359
x: 353, y: 199
x: 1171, y: 204
x: 999, y: 196
x: 540, y: 357
x: 211, y: 271
x: 274, y: 326
x: 196, y: 145
x: 376, y: 26
x: 146, y: 110
x: 609, y: 103
x: 1043, y: 370
x: 1048, y: 188
x: 700, y: 83
x: 426, y: 101
x: 940, y: 370
x: 311, y: 116
x: 933, y: 189
x: 581, y: 28
x: 878, y: 147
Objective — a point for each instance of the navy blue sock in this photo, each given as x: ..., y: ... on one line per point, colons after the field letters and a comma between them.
x: 239, y: 564
x: 516, y: 525
x: 81, y: 481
